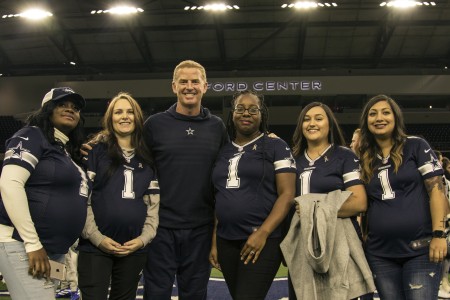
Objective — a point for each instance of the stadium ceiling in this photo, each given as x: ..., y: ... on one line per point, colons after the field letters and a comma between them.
x: 258, y: 38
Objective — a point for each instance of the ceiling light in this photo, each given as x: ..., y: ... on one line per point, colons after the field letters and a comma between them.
x: 406, y: 3
x: 213, y: 7
x: 35, y: 14
x: 216, y: 7
x: 119, y: 10
x: 308, y: 4
x: 73, y: 63
x: 124, y: 10
x: 31, y: 14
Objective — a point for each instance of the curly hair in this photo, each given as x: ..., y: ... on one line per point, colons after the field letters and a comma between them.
x: 107, y: 134
x: 263, y: 127
x: 369, y: 147
x: 42, y: 118
x: 334, y: 135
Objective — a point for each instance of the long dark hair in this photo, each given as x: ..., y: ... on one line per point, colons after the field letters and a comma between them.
x: 334, y: 134
x: 107, y: 135
x: 369, y: 147
x: 263, y: 127
x: 41, y: 119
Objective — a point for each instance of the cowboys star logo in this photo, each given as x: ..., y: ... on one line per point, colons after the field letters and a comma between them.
x: 17, y: 151
x: 190, y: 131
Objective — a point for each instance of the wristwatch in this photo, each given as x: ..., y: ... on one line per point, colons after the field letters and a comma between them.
x: 440, y: 234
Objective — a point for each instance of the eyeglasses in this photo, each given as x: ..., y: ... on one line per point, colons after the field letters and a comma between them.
x: 70, y: 105
x: 252, y: 110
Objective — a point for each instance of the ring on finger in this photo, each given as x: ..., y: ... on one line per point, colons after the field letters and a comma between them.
x: 252, y: 252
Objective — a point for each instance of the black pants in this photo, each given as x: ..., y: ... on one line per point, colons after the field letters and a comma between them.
x: 251, y: 281
x: 97, y: 270
x: 180, y: 252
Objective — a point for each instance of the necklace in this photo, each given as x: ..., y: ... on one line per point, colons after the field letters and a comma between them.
x: 128, y: 154
x: 384, y: 159
x: 312, y: 161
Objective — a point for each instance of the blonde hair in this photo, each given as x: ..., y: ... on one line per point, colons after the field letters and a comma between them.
x: 189, y: 64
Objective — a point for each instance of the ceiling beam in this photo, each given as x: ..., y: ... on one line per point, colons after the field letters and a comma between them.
x: 303, y: 26
x: 214, y: 65
x: 385, y: 33
x: 140, y: 39
x: 268, y: 38
x: 63, y: 41
x: 190, y: 27
x: 5, y: 62
x: 220, y: 38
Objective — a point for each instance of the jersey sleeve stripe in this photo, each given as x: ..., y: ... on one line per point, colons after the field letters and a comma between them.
x: 154, y: 185
x: 350, y: 176
x: 25, y: 156
x: 284, y: 164
x: 426, y: 168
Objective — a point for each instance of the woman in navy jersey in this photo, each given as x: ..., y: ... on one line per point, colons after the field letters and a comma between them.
x: 406, y: 202
x: 123, y: 207
x: 44, y: 195
x: 254, y: 180
x: 324, y: 164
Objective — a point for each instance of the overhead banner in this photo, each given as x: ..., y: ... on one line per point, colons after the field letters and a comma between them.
x: 295, y: 85
x: 265, y: 86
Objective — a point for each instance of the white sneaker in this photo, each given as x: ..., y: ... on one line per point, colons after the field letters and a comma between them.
x: 443, y: 294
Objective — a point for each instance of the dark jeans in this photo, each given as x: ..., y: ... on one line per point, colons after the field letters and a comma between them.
x: 97, y: 270
x: 251, y: 281
x: 411, y: 278
x: 180, y: 252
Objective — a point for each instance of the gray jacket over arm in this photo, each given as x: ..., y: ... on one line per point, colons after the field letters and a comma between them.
x: 324, y: 253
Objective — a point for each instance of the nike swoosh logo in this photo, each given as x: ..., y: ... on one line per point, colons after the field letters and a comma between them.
x: 287, y: 149
x: 426, y: 151
x: 21, y: 137
x: 356, y: 160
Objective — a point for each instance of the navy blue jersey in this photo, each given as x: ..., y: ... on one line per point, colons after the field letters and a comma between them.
x: 56, y: 190
x: 117, y: 200
x: 336, y: 169
x: 246, y: 190
x: 185, y: 149
x: 399, y: 205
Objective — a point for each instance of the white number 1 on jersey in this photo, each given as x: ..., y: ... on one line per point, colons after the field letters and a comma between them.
x: 127, y: 192
x: 388, y: 193
x: 305, y: 180
x: 233, y: 181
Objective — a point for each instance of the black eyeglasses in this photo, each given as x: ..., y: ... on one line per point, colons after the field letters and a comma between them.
x: 252, y: 110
